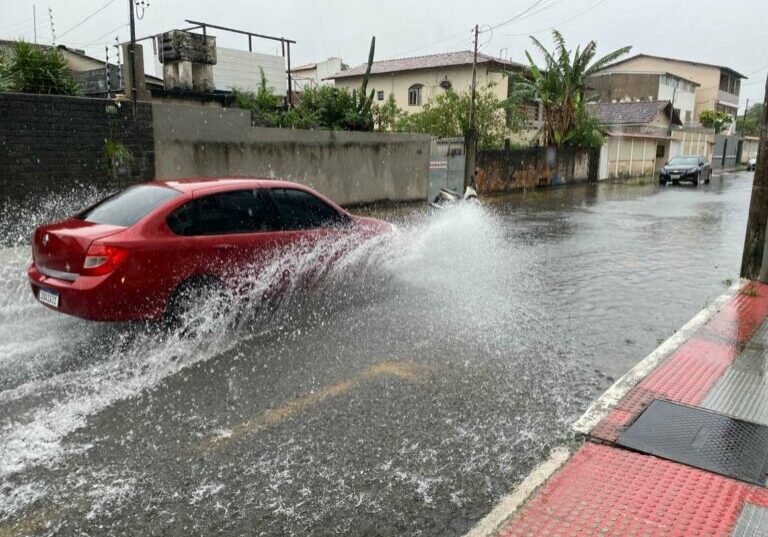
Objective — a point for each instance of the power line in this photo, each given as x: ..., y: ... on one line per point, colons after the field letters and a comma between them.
x: 105, y: 34
x: 102, y: 8
x: 548, y: 28
x: 463, y: 33
x: 517, y: 17
x: 15, y: 24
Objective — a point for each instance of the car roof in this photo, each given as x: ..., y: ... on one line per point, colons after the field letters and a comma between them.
x: 196, y: 184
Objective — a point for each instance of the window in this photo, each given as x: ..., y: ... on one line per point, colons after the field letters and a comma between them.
x: 660, y: 151
x: 129, y: 206
x: 380, y: 95
x: 298, y: 209
x: 239, y: 211
x: 414, y: 95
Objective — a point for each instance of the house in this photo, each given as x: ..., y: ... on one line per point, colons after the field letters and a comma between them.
x: 415, y: 81
x: 91, y: 73
x: 718, y: 86
x: 620, y: 86
x: 315, y: 74
x: 639, y: 139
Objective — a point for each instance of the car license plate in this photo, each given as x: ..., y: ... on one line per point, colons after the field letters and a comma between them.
x: 49, y: 297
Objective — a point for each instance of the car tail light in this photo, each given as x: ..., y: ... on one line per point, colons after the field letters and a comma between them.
x: 102, y: 259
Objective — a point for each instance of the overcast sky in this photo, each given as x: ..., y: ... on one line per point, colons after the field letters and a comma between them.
x: 729, y: 33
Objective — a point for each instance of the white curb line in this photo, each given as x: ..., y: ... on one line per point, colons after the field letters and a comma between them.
x: 508, y: 505
x: 503, y: 510
x: 605, y: 403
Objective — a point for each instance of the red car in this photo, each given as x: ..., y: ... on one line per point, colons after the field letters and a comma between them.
x: 131, y: 255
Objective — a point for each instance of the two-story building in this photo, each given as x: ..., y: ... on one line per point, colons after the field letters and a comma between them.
x: 414, y: 81
x: 621, y: 87
x: 718, y: 86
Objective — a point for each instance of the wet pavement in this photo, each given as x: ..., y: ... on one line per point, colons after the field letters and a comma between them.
x: 404, y: 396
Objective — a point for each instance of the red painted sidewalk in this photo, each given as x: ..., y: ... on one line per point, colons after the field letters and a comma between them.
x: 607, y: 490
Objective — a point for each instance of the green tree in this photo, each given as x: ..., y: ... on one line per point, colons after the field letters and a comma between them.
x: 749, y: 123
x: 447, y: 115
x: 386, y: 115
x: 714, y: 120
x: 28, y: 68
x: 560, y: 84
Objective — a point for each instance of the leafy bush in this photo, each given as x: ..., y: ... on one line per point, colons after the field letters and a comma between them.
x: 714, y: 120
x: 447, y: 115
x: 28, y: 68
x: 323, y: 107
x: 750, y: 122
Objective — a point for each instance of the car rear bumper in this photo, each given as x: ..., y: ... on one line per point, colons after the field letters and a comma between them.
x: 96, y: 298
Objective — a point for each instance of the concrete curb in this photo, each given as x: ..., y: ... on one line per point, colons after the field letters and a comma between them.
x: 492, y: 523
x: 610, y: 398
x: 510, y: 503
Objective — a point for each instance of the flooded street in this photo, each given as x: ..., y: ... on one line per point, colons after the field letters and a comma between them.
x: 420, y: 380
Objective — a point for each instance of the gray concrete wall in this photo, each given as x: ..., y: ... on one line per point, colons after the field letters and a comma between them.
x: 348, y: 167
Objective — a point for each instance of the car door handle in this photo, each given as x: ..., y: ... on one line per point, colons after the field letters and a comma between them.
x: 223, y: 246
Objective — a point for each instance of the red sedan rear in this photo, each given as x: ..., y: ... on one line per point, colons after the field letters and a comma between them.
x: 127, y: 257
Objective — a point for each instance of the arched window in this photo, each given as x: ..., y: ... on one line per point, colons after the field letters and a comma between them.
x: 414, y: 95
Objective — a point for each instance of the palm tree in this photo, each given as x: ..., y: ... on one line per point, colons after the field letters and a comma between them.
x: 560, y: 86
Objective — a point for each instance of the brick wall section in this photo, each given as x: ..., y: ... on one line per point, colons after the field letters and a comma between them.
x: 49, y: 143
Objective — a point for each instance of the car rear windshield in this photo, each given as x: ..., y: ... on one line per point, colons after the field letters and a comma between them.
x: 129, y: 206
x: 684, y: 161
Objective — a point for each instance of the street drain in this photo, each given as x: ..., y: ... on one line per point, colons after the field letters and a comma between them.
x: 702, y: 439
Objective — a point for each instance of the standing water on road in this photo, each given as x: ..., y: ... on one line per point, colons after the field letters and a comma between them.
x: 422, y: 377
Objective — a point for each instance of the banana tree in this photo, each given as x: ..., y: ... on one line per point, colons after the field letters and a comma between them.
x: 560, y: 85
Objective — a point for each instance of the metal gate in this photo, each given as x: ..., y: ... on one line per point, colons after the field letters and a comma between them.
x: 446, y: 165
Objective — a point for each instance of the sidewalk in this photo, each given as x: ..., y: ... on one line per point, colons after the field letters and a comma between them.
x: 677, y: 447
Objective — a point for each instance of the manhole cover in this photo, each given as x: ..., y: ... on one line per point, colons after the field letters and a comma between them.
x: 702, y: 439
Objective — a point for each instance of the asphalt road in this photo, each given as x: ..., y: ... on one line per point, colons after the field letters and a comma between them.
x: 416, y: 385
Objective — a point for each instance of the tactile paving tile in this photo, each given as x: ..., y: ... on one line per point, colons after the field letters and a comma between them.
x: 753, y: 522
x: 739, y: 319
x: 702, y: 439
x: 686, y: 377
x: 740, y: 394
x: 607, y: 491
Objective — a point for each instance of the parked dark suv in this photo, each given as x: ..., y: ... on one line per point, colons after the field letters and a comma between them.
x: 690, y: 168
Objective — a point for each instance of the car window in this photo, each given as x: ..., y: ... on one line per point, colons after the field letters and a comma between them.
x: 129, y: 206
x: 239, y: 211
x: 299, y: 209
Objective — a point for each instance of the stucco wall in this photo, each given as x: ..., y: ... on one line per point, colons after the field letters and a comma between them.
x: 628, y: 156
x: 348, y: 167
x: 708, y: 77
x: 398, y: 83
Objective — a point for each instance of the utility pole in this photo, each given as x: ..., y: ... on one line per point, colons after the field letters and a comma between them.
x: 34, y: 21
x: 132, y: 52
x: 744, y: 121
x: 474, y: 84
x: 470, y: 138
x: 754, y: 242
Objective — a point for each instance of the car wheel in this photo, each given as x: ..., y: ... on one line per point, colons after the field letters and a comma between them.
x: 696, y: 179
x: 662, y: 182
x: 191, y: 295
